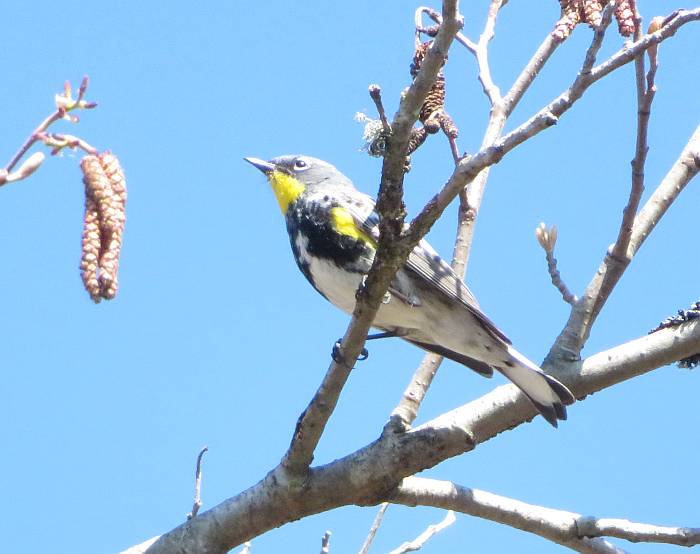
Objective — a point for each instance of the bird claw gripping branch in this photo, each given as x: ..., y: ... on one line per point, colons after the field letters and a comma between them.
x: 683, y: 316
x: 574, y: 12
x: 337, y: 358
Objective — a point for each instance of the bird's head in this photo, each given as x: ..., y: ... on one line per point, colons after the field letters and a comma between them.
x: 291, y: 175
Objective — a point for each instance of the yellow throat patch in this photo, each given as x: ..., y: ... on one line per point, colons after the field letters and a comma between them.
x: 287, y: 189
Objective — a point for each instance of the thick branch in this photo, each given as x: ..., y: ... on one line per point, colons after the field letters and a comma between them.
x: 566, y: 528
x: 369, y: 474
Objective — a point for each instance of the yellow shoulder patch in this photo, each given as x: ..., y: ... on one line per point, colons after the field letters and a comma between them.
x: 344, y: 223
x: 286, y: 188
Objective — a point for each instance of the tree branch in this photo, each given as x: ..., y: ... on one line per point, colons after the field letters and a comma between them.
x: 375, y: 527
x: 370, y: 473
x: 482, y: 53
x: 500, y: 111
x: 645, y: 96
x: 574, y: 335
x: 425, y: 536
x: 569, y: 529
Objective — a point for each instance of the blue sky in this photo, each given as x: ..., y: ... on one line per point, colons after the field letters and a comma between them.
x: 216, y: 339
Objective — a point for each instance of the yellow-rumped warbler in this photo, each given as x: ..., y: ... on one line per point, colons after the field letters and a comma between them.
x: 333, y: 230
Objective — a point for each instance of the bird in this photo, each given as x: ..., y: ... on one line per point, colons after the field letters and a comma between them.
x: 334, y: 230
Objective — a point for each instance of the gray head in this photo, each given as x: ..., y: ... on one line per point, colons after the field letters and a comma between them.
x: 290, y: 176
x: 309, y: 171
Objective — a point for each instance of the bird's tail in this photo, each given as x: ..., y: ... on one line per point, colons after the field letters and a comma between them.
x: 549, y: 396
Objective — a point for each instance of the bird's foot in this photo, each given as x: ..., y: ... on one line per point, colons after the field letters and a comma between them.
x: 364, y: 353
x: 337, y: 358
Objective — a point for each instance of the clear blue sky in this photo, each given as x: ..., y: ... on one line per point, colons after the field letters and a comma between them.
x: 216, y: 339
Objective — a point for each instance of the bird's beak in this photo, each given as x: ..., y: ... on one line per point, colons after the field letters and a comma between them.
x: 262, y: 165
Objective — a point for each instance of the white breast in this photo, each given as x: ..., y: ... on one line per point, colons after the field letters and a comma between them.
x: 340, y: 287
x: 337, y: 286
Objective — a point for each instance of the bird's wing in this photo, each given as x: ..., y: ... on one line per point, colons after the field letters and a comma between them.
x: 425, y: 263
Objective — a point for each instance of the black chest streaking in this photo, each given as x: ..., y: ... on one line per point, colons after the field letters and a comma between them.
x: 311, y: 233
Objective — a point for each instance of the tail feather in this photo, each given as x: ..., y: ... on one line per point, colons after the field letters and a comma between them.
x: 548, y: 395
x: 480, y: 367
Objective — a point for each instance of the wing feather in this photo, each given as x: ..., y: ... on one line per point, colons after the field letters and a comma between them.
x: 426, y: 264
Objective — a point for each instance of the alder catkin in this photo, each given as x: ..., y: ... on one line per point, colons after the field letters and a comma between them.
x: 91, y: 249
x: 105, y: 216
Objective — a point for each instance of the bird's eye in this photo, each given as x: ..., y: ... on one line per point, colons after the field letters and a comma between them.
x: 300, y: 164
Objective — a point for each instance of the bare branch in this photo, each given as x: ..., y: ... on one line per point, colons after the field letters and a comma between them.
x: 425, y: 536
x: 548, y: 240
x: 65, y: 103
x: 375, y: 93
x: 638, y: 532
x: 326, y: 543
x: 645, y: 96
x: 500, y: 111
x: 570, y: 342
x: 382, y: 464
x: 528, y: 74
x: 375, y: 527
x: 406, y: 411
x: 569, y: 529
x: 482, y: 57
x: 563, y: 527
x: 197, y: 485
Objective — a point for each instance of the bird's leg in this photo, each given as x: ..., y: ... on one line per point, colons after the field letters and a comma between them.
x: 364, y: 354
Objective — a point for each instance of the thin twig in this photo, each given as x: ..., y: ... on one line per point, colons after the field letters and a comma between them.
x: 548, y: 240
x: 375, y: 93
x: 497, y: 120
x: 490, y: 89
x: 557, y: 280
x: 375, y: 527
x: 645, y: 96
x: 425, y: 536
x: 65, y: 105
x: 197, y: 485
x: 437, y: 18
x: 468, y: 169
x: 326, y: 543
x: 569, y: 343
x: 59, y: 141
